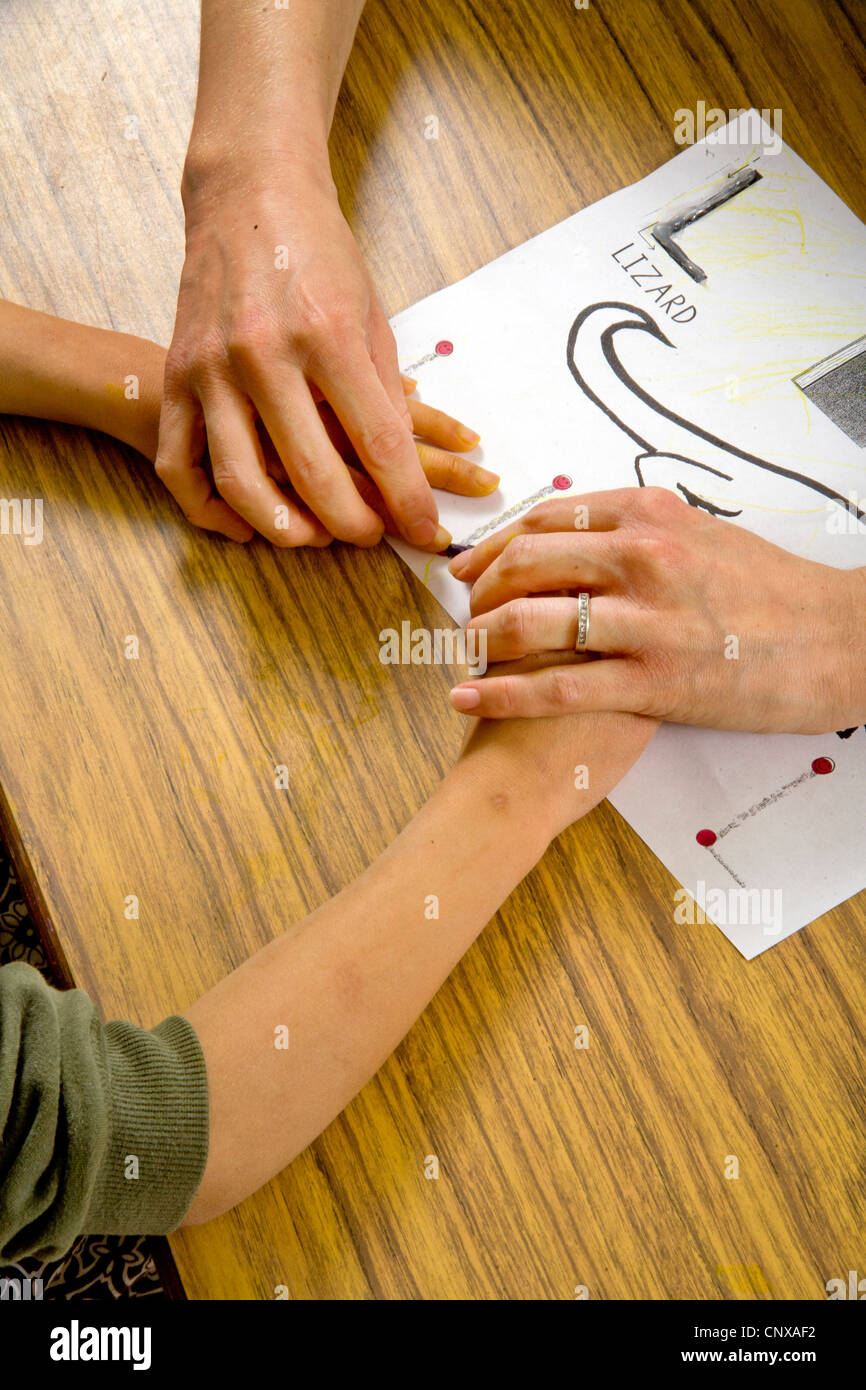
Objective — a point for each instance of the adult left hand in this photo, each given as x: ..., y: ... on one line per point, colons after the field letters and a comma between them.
x: 693, y: 619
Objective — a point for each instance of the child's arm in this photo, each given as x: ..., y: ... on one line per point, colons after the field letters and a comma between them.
x: 54, y: 369
x: 212, y: 1105
x: 348, y: 982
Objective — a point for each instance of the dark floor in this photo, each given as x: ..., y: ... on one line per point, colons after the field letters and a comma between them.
x: 97, y: 1267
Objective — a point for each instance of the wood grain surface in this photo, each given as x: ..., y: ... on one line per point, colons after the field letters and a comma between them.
x: 559, y: 1167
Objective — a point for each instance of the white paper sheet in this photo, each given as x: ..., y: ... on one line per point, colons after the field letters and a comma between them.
x: 519, y: 352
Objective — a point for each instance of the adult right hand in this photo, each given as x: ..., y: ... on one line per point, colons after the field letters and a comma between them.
x: 276, y: 312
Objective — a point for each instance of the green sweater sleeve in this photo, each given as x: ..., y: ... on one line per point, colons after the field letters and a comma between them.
x: 103, y: 1127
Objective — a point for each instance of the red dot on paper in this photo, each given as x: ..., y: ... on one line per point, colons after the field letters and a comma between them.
x: 562, y: 481
x: 706, y: 837
x: 823, y: 765
x: 444, y: 349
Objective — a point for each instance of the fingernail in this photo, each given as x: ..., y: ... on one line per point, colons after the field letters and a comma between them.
x: 410, y: 381
x: 465, y: 698
x: 485, y: 478
x: 441, y: 540
x: 468, y: 436
x: 459, y: 564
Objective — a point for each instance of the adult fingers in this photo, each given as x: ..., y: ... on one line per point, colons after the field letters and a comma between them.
x: 178, y: 465
x: 316, y: 470
x: 241, y: 478
x: 382, y: 349
x: 720, y: 494
x: 537, y: 625
x: 607, y: 683
x: 442, y: 469
x: 590, y: 511
x: 543, y: 564
x: 382, y: 439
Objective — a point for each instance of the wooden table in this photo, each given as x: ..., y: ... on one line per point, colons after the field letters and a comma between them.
x: 602, y: 1167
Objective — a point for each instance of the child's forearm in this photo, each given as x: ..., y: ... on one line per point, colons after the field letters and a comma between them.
x: 349, y: 981
x: 293, y: 1034
x: 53, y: 369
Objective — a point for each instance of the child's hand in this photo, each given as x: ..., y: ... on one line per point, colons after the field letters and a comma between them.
x: 559, y: 766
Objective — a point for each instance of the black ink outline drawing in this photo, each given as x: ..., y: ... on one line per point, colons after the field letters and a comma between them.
x: 646, y: 324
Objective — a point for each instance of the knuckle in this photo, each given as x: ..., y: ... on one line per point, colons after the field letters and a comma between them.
x: 229, y: 486
x: 385, y: 442
x: 314, y: 472
x: 322, y: 325
x: 248, y: 340
x: 312, y: 321
x: 561, y: 690
x: 652, y: 670
x: 207, y: 366
x: 649, y: 551
x: 506, y: 697
x: 176, y: 373
x: 517, y: 619
x: 516, y: 555
x: 537, y: 516
x: 453, y: 469
x: 660, y: 503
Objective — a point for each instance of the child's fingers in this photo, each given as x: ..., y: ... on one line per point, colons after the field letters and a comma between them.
x: 441, y: 468
x: 409, y: 384
x: 452, y: 474
x: 441, y: 429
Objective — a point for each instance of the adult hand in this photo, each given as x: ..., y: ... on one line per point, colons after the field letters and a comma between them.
x: 558, y: 769
x: 694, y: 620
x: 276, y: 313
x: 439, y: 437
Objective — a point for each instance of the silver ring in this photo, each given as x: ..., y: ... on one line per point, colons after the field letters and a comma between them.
x: 582, y: 622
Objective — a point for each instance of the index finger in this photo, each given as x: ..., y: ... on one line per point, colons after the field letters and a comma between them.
x: 384, y: 444
x: 588, y: 511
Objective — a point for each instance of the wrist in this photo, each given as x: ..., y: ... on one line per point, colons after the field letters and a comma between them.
x: 505, y: 783
x: 217, y: 166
